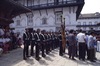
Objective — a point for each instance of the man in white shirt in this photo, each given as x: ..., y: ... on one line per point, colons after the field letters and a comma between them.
x: 82, y: 45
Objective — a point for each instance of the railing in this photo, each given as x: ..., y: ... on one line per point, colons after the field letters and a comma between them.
x: 56, y: 4
x: 61, y: 3
x: 87, y: 25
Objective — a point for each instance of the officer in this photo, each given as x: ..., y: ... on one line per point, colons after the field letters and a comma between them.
x: 43, y: 41
x: 60, y: 44
x: 56, y: 40
x: 26, y: 44
x: 32, y: 42
x: 46, y: 42
x: 37, y: 39
x: 52, y: 39
x: 49, y: 42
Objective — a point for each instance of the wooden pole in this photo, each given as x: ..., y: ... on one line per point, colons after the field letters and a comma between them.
x: 63, y: 33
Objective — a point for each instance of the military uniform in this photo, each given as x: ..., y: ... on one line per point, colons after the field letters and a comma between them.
x: 42, y: 39
x: 37, y: 39
x: 32, y: 43
x: 26, y: 45
x: 60, y: 44
x: 47, y: 43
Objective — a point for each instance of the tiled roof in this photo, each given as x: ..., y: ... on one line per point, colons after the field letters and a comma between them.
x: 89, y: 16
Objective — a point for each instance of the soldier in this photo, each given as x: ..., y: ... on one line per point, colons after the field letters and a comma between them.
x: 43, y: 40
x: 47, y: 42
x: 60, y: 44
x: 32, y: 42
x: 56, y: 40
x: 37, y: 39
x: 26, y: 44
x: 52, y: 41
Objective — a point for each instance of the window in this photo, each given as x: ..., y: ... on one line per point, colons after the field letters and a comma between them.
x: 58, y: 17
x: 18, y: 23
x: 90, y: 23
x: 96, y: 28
x: 44, y: 20
x: 30, y: 20
x: 96, y: 23
x: 79, y: 23
x: 84, y: 23
x: 69, y: 9
x: 79, y: 28
x: 84, y: 28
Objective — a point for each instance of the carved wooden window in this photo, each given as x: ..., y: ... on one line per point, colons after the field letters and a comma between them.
x: 30, y: 20
x: 18, y: 23
x: 58, y: 17
x: 44, y: 20
x: 79, y: 23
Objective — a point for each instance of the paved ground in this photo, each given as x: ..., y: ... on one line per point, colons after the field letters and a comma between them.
x: 14, y: 58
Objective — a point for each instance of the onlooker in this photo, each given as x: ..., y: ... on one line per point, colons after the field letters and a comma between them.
x: 91, y: 47
x: 82, y: 45
x: 72, y: 44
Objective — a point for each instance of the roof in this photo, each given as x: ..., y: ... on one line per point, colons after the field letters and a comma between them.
x: 13, y: 7
x: 89, y: 16
x: 10, y: 9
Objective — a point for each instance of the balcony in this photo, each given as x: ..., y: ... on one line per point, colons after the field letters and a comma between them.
x: 87, y: 26
x: 61, y: 4
x: 56, y: 4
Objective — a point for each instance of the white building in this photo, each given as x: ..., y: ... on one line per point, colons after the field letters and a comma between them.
x: 88, y: 21
x: 46, y: 14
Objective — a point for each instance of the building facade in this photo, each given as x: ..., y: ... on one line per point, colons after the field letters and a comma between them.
x: 46, y: 15
x: 88, y: 21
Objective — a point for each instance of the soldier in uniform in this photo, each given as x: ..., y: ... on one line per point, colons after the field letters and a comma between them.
x: 26, y: 44
x: 60, y: 44
x: 52, y: 41
x: 37, y: 39
x: 56, y: 40
x: 43, y: 41
x: 32, y: 37
x: 47, y: 42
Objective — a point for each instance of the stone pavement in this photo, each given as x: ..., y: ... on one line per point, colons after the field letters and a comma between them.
x: 14, y: 58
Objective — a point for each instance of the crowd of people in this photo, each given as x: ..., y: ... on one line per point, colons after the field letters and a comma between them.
x: 8, y: 41
x: 41, y: 40
x: 79, y: 44
x: 83, y: 45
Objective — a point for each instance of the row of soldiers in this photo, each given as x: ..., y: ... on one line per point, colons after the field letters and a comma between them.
x: 42, y: 41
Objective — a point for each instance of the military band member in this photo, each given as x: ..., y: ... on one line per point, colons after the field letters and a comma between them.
x: 26, y: 44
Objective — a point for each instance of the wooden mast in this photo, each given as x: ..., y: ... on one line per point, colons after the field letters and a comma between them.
x: 63, y: 33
